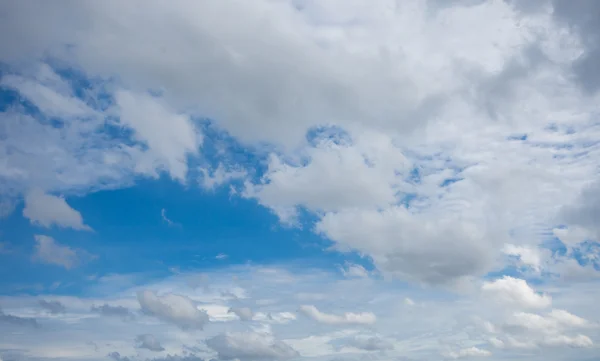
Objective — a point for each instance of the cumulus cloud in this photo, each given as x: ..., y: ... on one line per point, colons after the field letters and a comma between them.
x: 176, y: 309
x: 528, y: 256
x: 557, y: 328
x: 514, y: 291
x: 54, y: 307
x: 47, y: 250
x: 47, y: 210
x: 149, y: 342
x: 425, y: 146
x: 348, y: 318
x: 250, y: 346
x: 481, y: 140
x: 168, y: 146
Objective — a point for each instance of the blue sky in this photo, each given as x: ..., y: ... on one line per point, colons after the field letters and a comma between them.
x: 309, y: 181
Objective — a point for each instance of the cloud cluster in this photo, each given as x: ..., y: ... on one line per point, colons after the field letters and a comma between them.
x: 410, y: 138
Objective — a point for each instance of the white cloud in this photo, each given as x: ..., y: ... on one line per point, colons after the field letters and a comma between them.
x: 250, y: 346
x: 176, y: 309
x: 348, y: 318
x: 221, y: 175
x: 527, y: 255
x: 468, y: 352
x: 47, y: 210
x: 418, y: 333
x: 355, y: 270
x: 514, y: 291
x: 427, y: 248
x: 447, y: 143
x: 469, y: 112
x: 170, y: 137
x: 47, y: 250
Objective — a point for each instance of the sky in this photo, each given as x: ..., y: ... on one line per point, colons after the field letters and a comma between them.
x: 282, y: 180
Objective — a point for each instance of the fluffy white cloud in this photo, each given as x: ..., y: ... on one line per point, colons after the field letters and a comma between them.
x: 428, y: 248
x: 47, y: 250
x: 558, y: 328
x: 514, y: 291
x: 348, y: 318
x: 250, y: 346
x: 170, y: 137
x: 528, y: 256
x: 176, y: 309
x: 47, y: 210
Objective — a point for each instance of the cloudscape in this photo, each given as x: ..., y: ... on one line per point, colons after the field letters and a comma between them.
x: 282, y: 180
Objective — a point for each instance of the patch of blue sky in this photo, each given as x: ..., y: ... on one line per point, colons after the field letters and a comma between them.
x: 130, y: 236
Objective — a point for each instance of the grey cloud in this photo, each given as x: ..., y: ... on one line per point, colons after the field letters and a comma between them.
x: 374, y: 343
x: 250, y: 346
x: 117, y: 357
x: 149, y: 342
x: 114, y: 311
x: 54, y: 307
x: 244, y: 313
x: 586, y: 213
x: 583, y: 16
x: 18, y: 321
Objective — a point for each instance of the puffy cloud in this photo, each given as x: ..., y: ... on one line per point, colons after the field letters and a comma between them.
x: 221, y: 175
x: 54, y: 307
x: 417, y: 247
x: 514, y: 291
x: 149, y: 342
x: 434, y: 120
x: 250, y: 346
x: 47, y: 250
x: 557, y: 328
x: 168, y: 146
x: 176, y: 309
x: 348, y: 318
x: 47, y: 210
x: 528, y: 256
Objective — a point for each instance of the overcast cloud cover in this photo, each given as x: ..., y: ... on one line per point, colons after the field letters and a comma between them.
x: 299, y: 179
